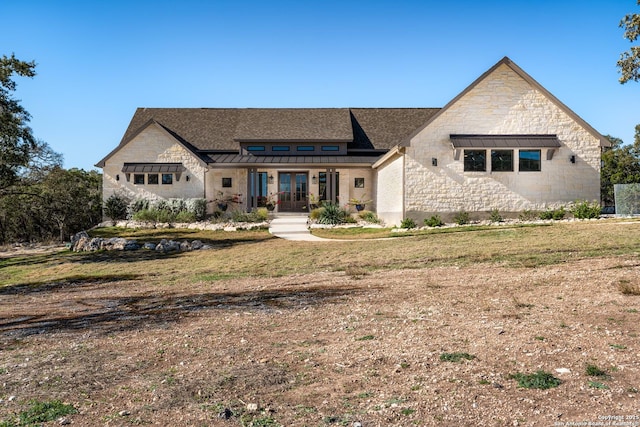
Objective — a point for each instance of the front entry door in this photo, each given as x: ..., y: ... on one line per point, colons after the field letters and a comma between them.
x: 293, y: 190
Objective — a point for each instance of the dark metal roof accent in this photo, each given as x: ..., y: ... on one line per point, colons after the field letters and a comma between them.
x: 153, y: 168
x: 247, y: 159
x: 504, y: 141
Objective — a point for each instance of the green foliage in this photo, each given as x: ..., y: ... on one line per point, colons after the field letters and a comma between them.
x: 629, y: 62
x: 167, y: 210
x: 555, y: 214
x: 527, y: 215
x: 332, y: 214
x: 620, y: 165
x: 461, y: 218
x: 408, y: 223
x: 316, y: 213
x: 586, y: 210
x: 594, y: 371
x: 598, y: 385
x: 38, y: 413
x: 540, y: 380
x: 495, y: 216
x: 185, y: 217
x: 115, y: 207
x: 456, y: 357
x: 369, y: 217
x: 434, y: 221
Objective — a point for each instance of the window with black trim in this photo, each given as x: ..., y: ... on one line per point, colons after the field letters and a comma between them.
x: 167, y: 178
x: 280, y: 148
x: 226, y: 182
x: 322, y: 185
x: 358, y: 182
x: 501, y: 160
x: 305, y: 148
x: 255, y: 148
x: 475, y: 160
x: 330, y: 148
x: 529, y: 160
x: 138, y: 178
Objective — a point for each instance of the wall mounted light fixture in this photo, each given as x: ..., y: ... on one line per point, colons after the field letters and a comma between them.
x: 270, y: 179
x: 187, y: 178
x: 572, y: 158
x: 314, y: 179
x: 117, y: 177
x: 434, y: 161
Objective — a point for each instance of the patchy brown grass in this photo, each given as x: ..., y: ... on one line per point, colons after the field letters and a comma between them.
x: 329, y: 333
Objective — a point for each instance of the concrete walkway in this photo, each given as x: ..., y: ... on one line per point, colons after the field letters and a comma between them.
x: 293, y: 228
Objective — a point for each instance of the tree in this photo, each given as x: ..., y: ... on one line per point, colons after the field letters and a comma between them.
x: 620, y: 165
x: 17, y: 143
x: 629, y: 62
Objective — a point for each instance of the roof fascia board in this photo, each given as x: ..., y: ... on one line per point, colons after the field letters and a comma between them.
x: 520, y: 72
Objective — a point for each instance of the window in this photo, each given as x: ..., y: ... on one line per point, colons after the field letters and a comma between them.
x: 358, y: 183
x: 306, y: 148
x: 475, y: 160
x: 152, y: 178
x: 322, y: 185
x: 260, y: 192
x: 138, y: 178
x: 255, y: 148
x: 529, y: 161
x: 501, y: 160
x: 167, y: 178
x: 226, y: 182
x: 330, y: 148
x: 280, y: 148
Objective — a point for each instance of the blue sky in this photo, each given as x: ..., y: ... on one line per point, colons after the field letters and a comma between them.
x: 100, y: 60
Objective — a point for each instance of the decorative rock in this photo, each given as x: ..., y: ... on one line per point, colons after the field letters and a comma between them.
x: 196, y: 244
x: 185, y: 246
x: 149, y: 246
x: 563, y: 370
x: 252, y: 407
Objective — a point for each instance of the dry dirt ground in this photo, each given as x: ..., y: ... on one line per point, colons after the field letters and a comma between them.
x: 331, y: 348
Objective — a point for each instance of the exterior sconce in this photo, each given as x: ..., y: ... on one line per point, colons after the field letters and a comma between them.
x: 314, y: 179
x: 434, y: 161
x: 187, y: 178
x: 117, y: 177
x: 572, y: 158
x: 271, y: 179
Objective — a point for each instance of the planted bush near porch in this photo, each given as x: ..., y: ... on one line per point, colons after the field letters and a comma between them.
x: 167, y: 210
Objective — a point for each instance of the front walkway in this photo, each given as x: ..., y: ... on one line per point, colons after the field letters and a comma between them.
x: 293, y: 227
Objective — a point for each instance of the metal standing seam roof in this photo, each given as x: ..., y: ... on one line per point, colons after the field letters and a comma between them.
x: 153, y: 168
x: 247, y: 159
x: 504, y: 141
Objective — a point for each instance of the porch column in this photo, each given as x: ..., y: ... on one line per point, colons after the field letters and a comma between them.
x: 252, y: 188
x: 331, y: 185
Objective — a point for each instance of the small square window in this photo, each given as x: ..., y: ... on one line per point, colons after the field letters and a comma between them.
x: 226, y: 182
x: 152, y: 178
x: 280, y: 148
x: 167, y: 178
x: 475, y: 160
x: 358, y: 183
x: 138, y: 178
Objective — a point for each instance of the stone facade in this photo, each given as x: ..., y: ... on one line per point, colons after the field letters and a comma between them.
x: 502, y: 103
x: 154, y: 145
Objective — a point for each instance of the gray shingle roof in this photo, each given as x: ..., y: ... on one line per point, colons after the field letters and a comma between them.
x: 220, y: 129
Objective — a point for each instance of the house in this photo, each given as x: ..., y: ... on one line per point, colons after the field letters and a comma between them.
x: 503, y: 143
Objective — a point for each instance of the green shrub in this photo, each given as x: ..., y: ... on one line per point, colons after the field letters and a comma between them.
x: 461, y: 218
x: 115, y: 207
x: 408, y: 223
x: 137, y: 205
x: 586, y: 210
x: 594, y: 371
x: 40, y: 412
x: 495, y: 216
x: 540, y: 380
x: 527, y: 215
x: 369, y: 217
x: 332, y: 214
x: 556, y: 214
x: 316, y: 213
x: 434, y: 221
x: 185, y: 216
x: 262, y: 214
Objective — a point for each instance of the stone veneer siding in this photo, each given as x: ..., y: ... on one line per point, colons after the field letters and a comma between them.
x: 502, y: 103
x: 153, y: 145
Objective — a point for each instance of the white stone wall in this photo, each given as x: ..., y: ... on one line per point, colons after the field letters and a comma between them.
x: 390, y: 191
x: 503, y: 103
x: 153, y: 145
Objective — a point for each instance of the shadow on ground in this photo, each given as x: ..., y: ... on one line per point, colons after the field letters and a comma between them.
x: 108, y: 315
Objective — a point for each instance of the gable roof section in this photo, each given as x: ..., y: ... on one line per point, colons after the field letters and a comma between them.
x: 520, y: 72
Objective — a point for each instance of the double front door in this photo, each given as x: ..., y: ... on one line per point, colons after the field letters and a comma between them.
x: 293, y: 189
